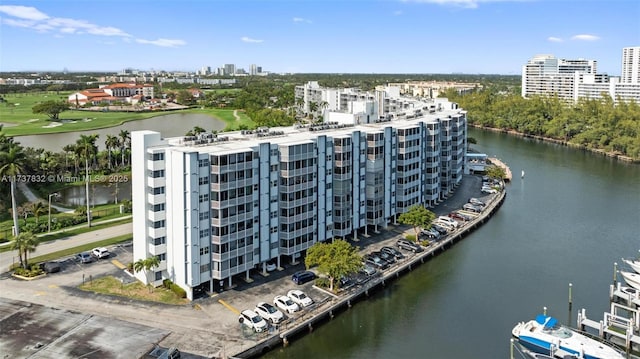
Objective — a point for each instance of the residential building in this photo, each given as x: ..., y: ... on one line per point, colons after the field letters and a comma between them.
x: 571, y: 80
x: 119, y: 92
x: 216, y: 206
x: 630, y: 65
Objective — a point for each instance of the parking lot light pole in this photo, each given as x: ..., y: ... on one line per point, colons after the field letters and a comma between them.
x: 51, y: 194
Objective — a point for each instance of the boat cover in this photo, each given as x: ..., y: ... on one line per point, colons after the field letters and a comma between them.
x: 546, y: 321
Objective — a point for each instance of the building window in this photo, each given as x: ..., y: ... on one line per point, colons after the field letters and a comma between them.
x: 158, y: 224
x: 159, y: 241
x: 156, y: 190
x: 205, y: 268
x: 203, y: 180
x: 204, y: 215
x: 159, y: 156
x: 158, y: 275
x: 205, y: 233
x: 204, y: 250
x: 203, y: 198
x: 158, y: 207
x: 162, y: 257
x: 157, y: 174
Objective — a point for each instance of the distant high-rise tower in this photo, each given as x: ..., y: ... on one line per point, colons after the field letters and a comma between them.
x: 229, y: 69
x: 630, y: 65
x: 253, y: 70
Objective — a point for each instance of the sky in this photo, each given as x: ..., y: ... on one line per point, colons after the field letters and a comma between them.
x: 313, y: 36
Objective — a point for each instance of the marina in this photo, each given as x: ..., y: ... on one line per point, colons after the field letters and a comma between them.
x: 331, y: 308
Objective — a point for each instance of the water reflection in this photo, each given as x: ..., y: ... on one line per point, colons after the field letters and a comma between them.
x: 99, y: 193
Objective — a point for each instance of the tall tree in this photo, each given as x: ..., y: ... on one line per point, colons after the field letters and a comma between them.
x: 24, y: 243
x: 146, y: 265
x: 12, y: 161
x: 37, y: 208
x: 86, y: 146
x: 417, y: 216
x: 125, y: 141
x: 51, y: 108
x: 111, y: 143
x: 335, y: 259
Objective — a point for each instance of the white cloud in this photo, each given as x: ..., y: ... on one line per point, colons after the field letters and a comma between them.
x: 585, y: 37
x: 468, y: 4
x: 23, y: 12
x: 554, y: 39
x: 32, y: 18
x: 301, y: 19
x: 248, y: 39
x: 162, y: 42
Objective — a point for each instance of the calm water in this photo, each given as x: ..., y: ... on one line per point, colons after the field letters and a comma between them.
x: 172, y: 125
x: 567, y: 221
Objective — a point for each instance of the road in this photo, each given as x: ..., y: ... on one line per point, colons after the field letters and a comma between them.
x: 10, y: 257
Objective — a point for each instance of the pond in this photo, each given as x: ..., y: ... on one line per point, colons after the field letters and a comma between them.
x: 99, y: 193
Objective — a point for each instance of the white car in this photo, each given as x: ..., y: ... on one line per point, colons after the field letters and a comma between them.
x: 286, y: 304
x: 269, y: 312
x: 449, y: 220
x: 100, y: 252
x: 298, y: 297
x: 252, y: 320
x: 488, y: 190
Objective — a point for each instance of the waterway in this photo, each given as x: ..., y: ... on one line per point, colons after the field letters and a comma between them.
x: 172, y: 125
x: 572, y: 216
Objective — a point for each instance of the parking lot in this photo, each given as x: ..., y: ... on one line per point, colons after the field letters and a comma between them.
x: 208, y: 327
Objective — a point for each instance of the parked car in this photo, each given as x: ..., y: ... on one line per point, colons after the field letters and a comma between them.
x: 489, y: 190
x: 368, y: 270
x: 50, y: 267
x: 84, y: 257
x: 100, y: 253
x: 298, y: 297
x: 285, y: 304
x: 390, y: 258
x: 269, y: 312
x: 457, y: 216
x: 376, y: 262
x: 446, y: 225
x: 347, y: 281
x: 252, y: 320
x: 362, y: 278
x: 440, y: 229
x: 464, y: 216
x: 449, y: 220
x: 394, y: 252
x: 472, y: 208
x: 429, y: 234
x: 476, y: 202
x: 271, y: 265
x: 409, y: 246
x: 303, y: 277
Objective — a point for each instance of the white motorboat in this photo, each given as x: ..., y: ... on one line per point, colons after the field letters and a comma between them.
x: 632, y: 279
x: 634, y: 264
x: 546, y: 336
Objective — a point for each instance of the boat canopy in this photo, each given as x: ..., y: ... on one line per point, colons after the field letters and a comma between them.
x: 548, y: 322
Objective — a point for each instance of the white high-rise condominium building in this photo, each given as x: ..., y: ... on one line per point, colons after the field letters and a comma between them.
x: 630, y: 65
x: 571, y: 80
x: 213, y: 207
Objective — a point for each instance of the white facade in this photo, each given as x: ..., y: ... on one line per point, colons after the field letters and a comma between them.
x: 630, y: 65
x: 573, y: 79
x: 216, y: 206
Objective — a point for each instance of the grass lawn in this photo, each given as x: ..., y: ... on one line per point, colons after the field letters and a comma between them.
x: 18, y: 117
x: 136, y: 290
x: 83, y: 248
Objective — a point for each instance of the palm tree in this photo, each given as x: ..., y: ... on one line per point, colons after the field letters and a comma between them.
x: 111, y: 142
x: 24, y: 243
x: 11, y: 164
x: 86, y: 146
x: 146, y: 265
x: 70, y: 149
x: 37, y: 208
x: 125, y: 137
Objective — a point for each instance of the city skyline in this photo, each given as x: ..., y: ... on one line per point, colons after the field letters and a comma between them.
x: 404, y: 36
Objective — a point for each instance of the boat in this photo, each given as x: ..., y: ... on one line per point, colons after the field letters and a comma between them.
x: 632, y: 279
x: 546, y: 336
x: 522, y: 175
x: 634, y: 264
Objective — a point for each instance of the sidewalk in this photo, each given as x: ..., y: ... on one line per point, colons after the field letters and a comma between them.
x: 10, y: 257
x: 31, y: 197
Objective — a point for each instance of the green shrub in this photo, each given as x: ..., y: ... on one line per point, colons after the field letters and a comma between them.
x: 323, y: 282
x: 174, y: 288
x: 424, y: 242
x: 410, y: 237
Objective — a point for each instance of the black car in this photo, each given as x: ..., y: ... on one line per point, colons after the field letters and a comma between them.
x: 409, y: 246
x: 50, y: 267
x: 303, y: 277
x: 376, y: 262
x: 386, y: 256
x: 443, y: 231
x: 394, y: 252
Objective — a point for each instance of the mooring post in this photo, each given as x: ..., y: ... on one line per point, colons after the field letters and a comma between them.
x: 310, y: 328
x: 285, y: 342
x: 570, y: 303
x: 615, y: 271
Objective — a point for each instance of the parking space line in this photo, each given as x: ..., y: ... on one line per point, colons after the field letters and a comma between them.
x: 118, y: 264
x: 229, y: 306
